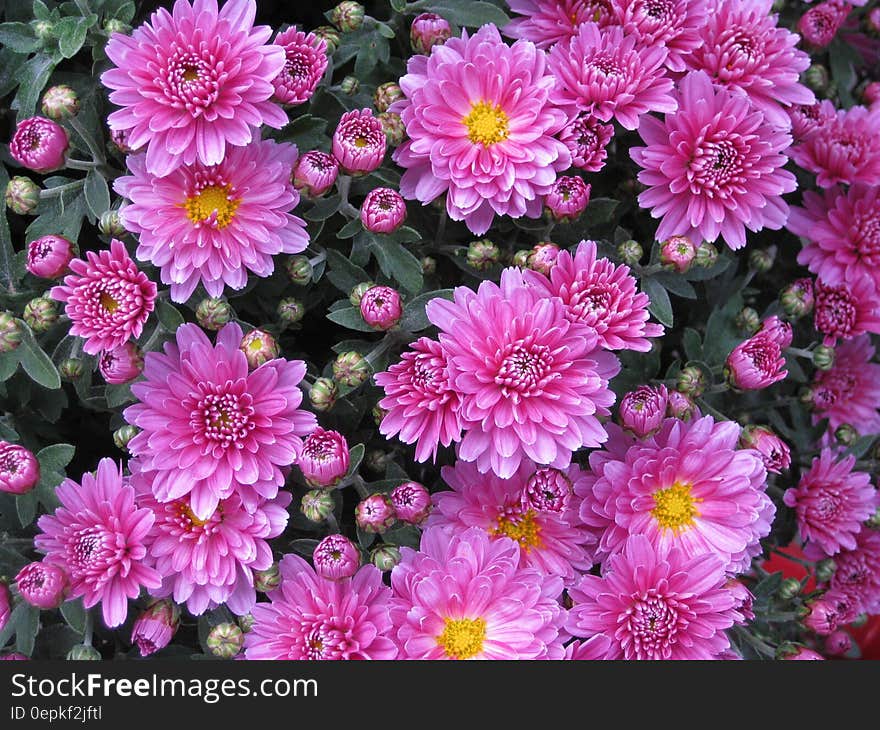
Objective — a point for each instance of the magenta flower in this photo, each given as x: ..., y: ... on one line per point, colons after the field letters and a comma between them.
x: 858, y: 572
x: 714, y: 167
x: 315, y: 173
x: 411, y: 502
x: 311, y: 618
x: 806, y: 118
x: 600, y: 295
x: 5, y: 605
x: 687, y: 485
x: 567, y: 199
x: 832, y: 609
x: 548, y: 22
x: 756, y: 363
x: 107, y: 298
x: 215, y: 224
x: 820, y: 23
x: 383, y: 210
x: 774, y: 452
x: 193, y: 81
x: 675, y: 24
x: 531, y: 381
x: 42, y: 585
x: 846, y: 311
x: 850, y: 391
x: 586, y: 138
x: 465, y: 596
x: 19, y: 469
x: 49, y: 256
x: 744, y: 50
x: 381, y: 307
x: 304, y: 66
x: 643, y: 410
x: 656, y: 602
x: 359, y: 142
x: 100, y: 538
x: 121, y: 364
x: 481, y: 129
x: 832, y: 501
x: 39, y: 144
x: 607, y: 73
x: 543, y: 520
x: 842, y: 231
x: 428, y: 30
x: 336, y: 557
x: 209, y: 427
x: 324, y: 458
x: 155, y: 627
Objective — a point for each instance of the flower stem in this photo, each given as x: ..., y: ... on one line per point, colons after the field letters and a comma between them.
x: 343, y: 186
x: 60, y: 189
x: 799, y: 352
x: 97, y: 153
x: 82, y: 164
x: 87, y: 631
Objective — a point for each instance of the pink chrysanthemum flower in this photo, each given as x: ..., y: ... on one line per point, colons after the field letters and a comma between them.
x: 481, y: 128
x: 832, y: 501
x: 744, y: 50
x: 676, y: 24
x: 756, y: 363
x: 850, y: 391
x: 531, y: 381
x: 205, y: 562
x: 312, y: 618
x: 586, y: 137
x: 421, y: 403
x: 846, y: 311
x: 656, y: 602
x: 857, y: 572
x: 543, y: 520
x: 687, y: 485
x: 192, y: 81
x: 215, y: 224
x: 208, y: 427
x: 39, y: 144
x: 843, y: 233
x: 607, y: 73
x: 100, y: 538
x: 548, y: 22
x: 107, y: 298
x: 820, y: 24
x: 304, y: 66
x: 714, y: 167
x: 843, y: 149
x: 466, y: 596
x: 806, y: 118
x: 600, y: 295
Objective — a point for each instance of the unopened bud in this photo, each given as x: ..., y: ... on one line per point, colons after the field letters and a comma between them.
x: 385, y: 557
x: 386, y: 94
x: 825, y: 570
x: 393, y: 127
x: 789, y: 588
x: 124, y: 434
x: 678, y: 253
x: 81, y: 652
x: 317, y: 505
x: 330, y: 36
x: 351, y: 369
x: 213, y: 314
x: 358, y: 292
x: 823, y: 357
x: 707, y: 255
x: 110, y: 224
x: 290, y: 310
x: 259, y: 347
x: 630, y: 252
x: 748, y: 321
x: 429, y: 265
x: 40, y: 314
x: 350, y: 85
x: 268, y: 579
x: 817, y: 78
x: 323, y: 394
x: 22, y: 195
x: 225, y: 640
x: 348, y: 16
x: 71, y: 368
x: 60, y: 102
x: 483, y: 254
x: 797, y: 298
x: 691, y: 381
x: 761, y: 260
x: 299, y: 269
x: 845, y: 434
x: 10, y: 332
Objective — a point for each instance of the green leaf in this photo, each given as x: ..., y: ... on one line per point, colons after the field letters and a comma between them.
x: 26, y: 629
x: 343, y: 274
x: 398, y: 6
x: 118, y: 395
x: 7, y: 253
x: 55, y: 457
x: 356, y: 455
x: 9, y: 629
x: 26, y: 507
x: 350, y: 317
x: 600, y: 210
x: 676, y: 284
x: 693, y: 347
x: 323, y: 209
x: 75, y: 615
x: 721, y: 332
x: 306, y: 131
x: 8, y: 365
x: 414, y: 317
x: 33, y: 76
x: 97, y: 193
x: 469, y: 13
x: 168, y: 316
x: 386, y: 31
x: 20, y: 37
x: 398, y: 263
x: 36, y: 363
x: 350, y: 229
x: 660, y: 305
x: 71, y: 33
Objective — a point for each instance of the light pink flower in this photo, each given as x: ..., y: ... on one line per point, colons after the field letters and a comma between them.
x: 586, y: 138
x: 411, y: 502
x: 675, y: 24
x: 848, y: 310
x: 324, y: 458
x: 42, y: 585
x: 643, y: 410
x: 774, y: 452
x: 850, y: 391
x: 121, y: 364
x: 39, y: 144
x: 304, y: 66
x: 336, y: 557
x: 383, y: 210
x: 359, y: 142
x: 548, y: 22
x: 806, y: 118
x: 315, y: 173
x: 567, y: 199
x: 756, y: 363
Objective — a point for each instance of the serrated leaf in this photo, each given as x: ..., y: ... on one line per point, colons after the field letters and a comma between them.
x: 55, y: 457
x: 33, y: 76
x: 97, y: 193
x: 36, y: 363
x: 75, y: 615
x: 350, y: 317
x: 660, y: 305
x: 20, y: 37
x: 414, y: 317
x: 169, y: 317
x: 470, y: 13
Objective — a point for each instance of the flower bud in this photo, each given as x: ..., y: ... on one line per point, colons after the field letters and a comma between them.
x: 678, y: 253
x: 246, y: 622
x: 838, y: 643
x: 874, y: 520
x: 71, y: 368
x: 755, y: 363
x: 796, y: 652
x: 567, y: 199
x: 543, y: 256
x: 267, y: 580
x: 381, y: 308
x: 817, y: 78
x: 707, y: 255
x: 797, y: 298
x: 225, y: 640
x: 110, y: 224
x: 325, y: 458
x: 630, y: 252
x: 40, y: 314
x: 22, y: 195
x: 121, y: 364
x: 691, y: 381
x: 642, y: 410
x: 156, y: 626
x: 358, y: 292
x: 386, y: 94
x: 350, y: 85
x: 299, y: 270
x: 212, y: 314
x: 348, y: 16
x: 429, y: 265
x: 330, y: 36
x: 351, y: 369
x: 60, y: 102
x: 789, y: 588
x: 383, y: 210
x: 43, y: 29
x: 819, y: 25
x: 10, y: 332
x: 845, y: 434
x: 290, y: 310
x: 521, y: 258
x: 378, y: 414
x: 823, y: 616
x: 483, y: 254
x: 774, y: 452
x: 83, y: 653
x: 548, y: 490
x: 359, y: 143
x: 19, y: 469
x: 114, y: 25
x: 119, y: 140
x: 393, y: 127
x: 748, y: 321
x: 124, y: 434
x: 761, y: 260
x: 317, y: 505
x: 823, y: 357
x: 49, y: 256
x: 41, y: 585
x: 39, y: 144
x: 428, y: 30
x: 375, y: 513
x: 336, y: 558
x: 680, y: 405
x: 314, y: 174
x: 411, y: 502
x: 385, y: 557
x: 258, y: 347
x: 825, y: 570
x: 323, y: 394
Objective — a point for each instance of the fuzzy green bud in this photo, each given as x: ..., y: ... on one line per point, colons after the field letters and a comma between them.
x: 818, y: 78
x: 521, y: 258
x: 81, y: 653
x: 386, y: 94
x: 317, y: 505
x: 761, y: 260
x: 110, y: 224
x: 10, y: 332
x: 331, y: 37
x: 290, y: 310
x: 71, y: 368
x: 268, y: 579
x: 22, y: 195
x: 348, y: 16
x: 789, y: 588
x: 747, y: 321
x: 40, y: 314
x: 845, y: 434
x: 823, y: 357
x: 323, y: 394
x: 358, y: 292
x: 299, y: 270
x: 124, y: 434
x: 483, y: 254
x: 350, y: 85
x: 707, y: 255
x: 691, y: 381
x: 630, y: 252
x: 60, y: 102
x: 225, y: 640
x: 825, y: 570
x: 393, y: 126
x: 212, y: 314
x: 385, y: 557
x: 351, y: 369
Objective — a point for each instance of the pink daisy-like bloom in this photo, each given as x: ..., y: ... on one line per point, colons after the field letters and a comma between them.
x: 656, y: 603
x: 205, y: 562
x: 542, y: 521
x: 832, y: 501
x: 600, y: 295
x: 586, y: 138
x: 100, y: 538
x: 846, y: 311
x: 481, y: 128
x: 676, y: 24
x: 531, y: 381
x: 208, y: 427
x: 687, y: 486
x: 304, y: 66
x: 466, y: 596
x: 313, y: 618
x: 745, y: 51
x: 857, y: 572
x: 421, y: 403
x: 607, y: 73
x: 806, y: 118
x: 548, y: 22
x: 107, y: 298
x: 843, y: 149
x: 215, y: 224
x: 192, y: 81
x: 714, y: 167
x: 842, y: 231
x: 850, y: 391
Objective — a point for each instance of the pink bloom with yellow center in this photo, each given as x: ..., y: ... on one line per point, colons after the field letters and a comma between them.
x: 548, y: 22
x: 850, y: 391
x: 304, y: 66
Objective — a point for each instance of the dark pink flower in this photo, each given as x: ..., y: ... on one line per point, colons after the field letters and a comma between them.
x: 155, y: 627
x: 848, y: 310
x: 858, y: 572
x: 42, y: 585
x: 359, y: 142
x: 567, y: 199
x: 820, y: 23
x: 383, y: 210
x: 39, y: 144
x: 411, y: 502
x: 774, y: 452
x: 675, y: 24
x: 324, y: 458
x: 548, y: 22
x: 19, y: 469
x: 381, y: 307
x: 304, y: 66
x: 336, y: 557
x: 49, y: 256
x: 586, y: 138
x: 850, y: 391
x: 806, y: 118
x: 315, y: 173
x: 121, y: 364
x: 643, y: 410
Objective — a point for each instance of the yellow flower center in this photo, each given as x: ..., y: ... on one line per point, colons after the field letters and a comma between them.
x: 108, y: 302
x: 520, y: 527
x: 361, y: 142
x: 191, y: 73
x: 675, y: 507
x: 463, y: 638
x: 486, y: 124
x: 187, y: 513
x: 212, y: 199
x: 255, y: 345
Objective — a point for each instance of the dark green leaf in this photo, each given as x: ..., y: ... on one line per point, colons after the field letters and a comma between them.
x: 20, y: 37
x: 7, y: 253
x: 118, y: 395
x: 350, y: 317
x: 75, y: 615
x: 693, y: 347
x: 304, y: 546
x: 721, y: 332
x: 398, y: 263
x: 323, y: 209
x: 676, y: 284
x: 398, y: 5
x: 26, y: 629
x: 71, y: 34
x: 385, y: 30
x: 350, y: 229
x: 36, y: 363
x: 470, y: 13
x: 660, y: 305
x: 343, y: 274
x: 9, y: 629
x: 33, y: 76
x: 8, y: 365
x: 356, y: 455
x: 414, y: 317
x: 55, y: 457
x: 26, y: 507
x: 306, y: 131
x: 168, y: 316
x: 97, y: 193
x: 600, y: 210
